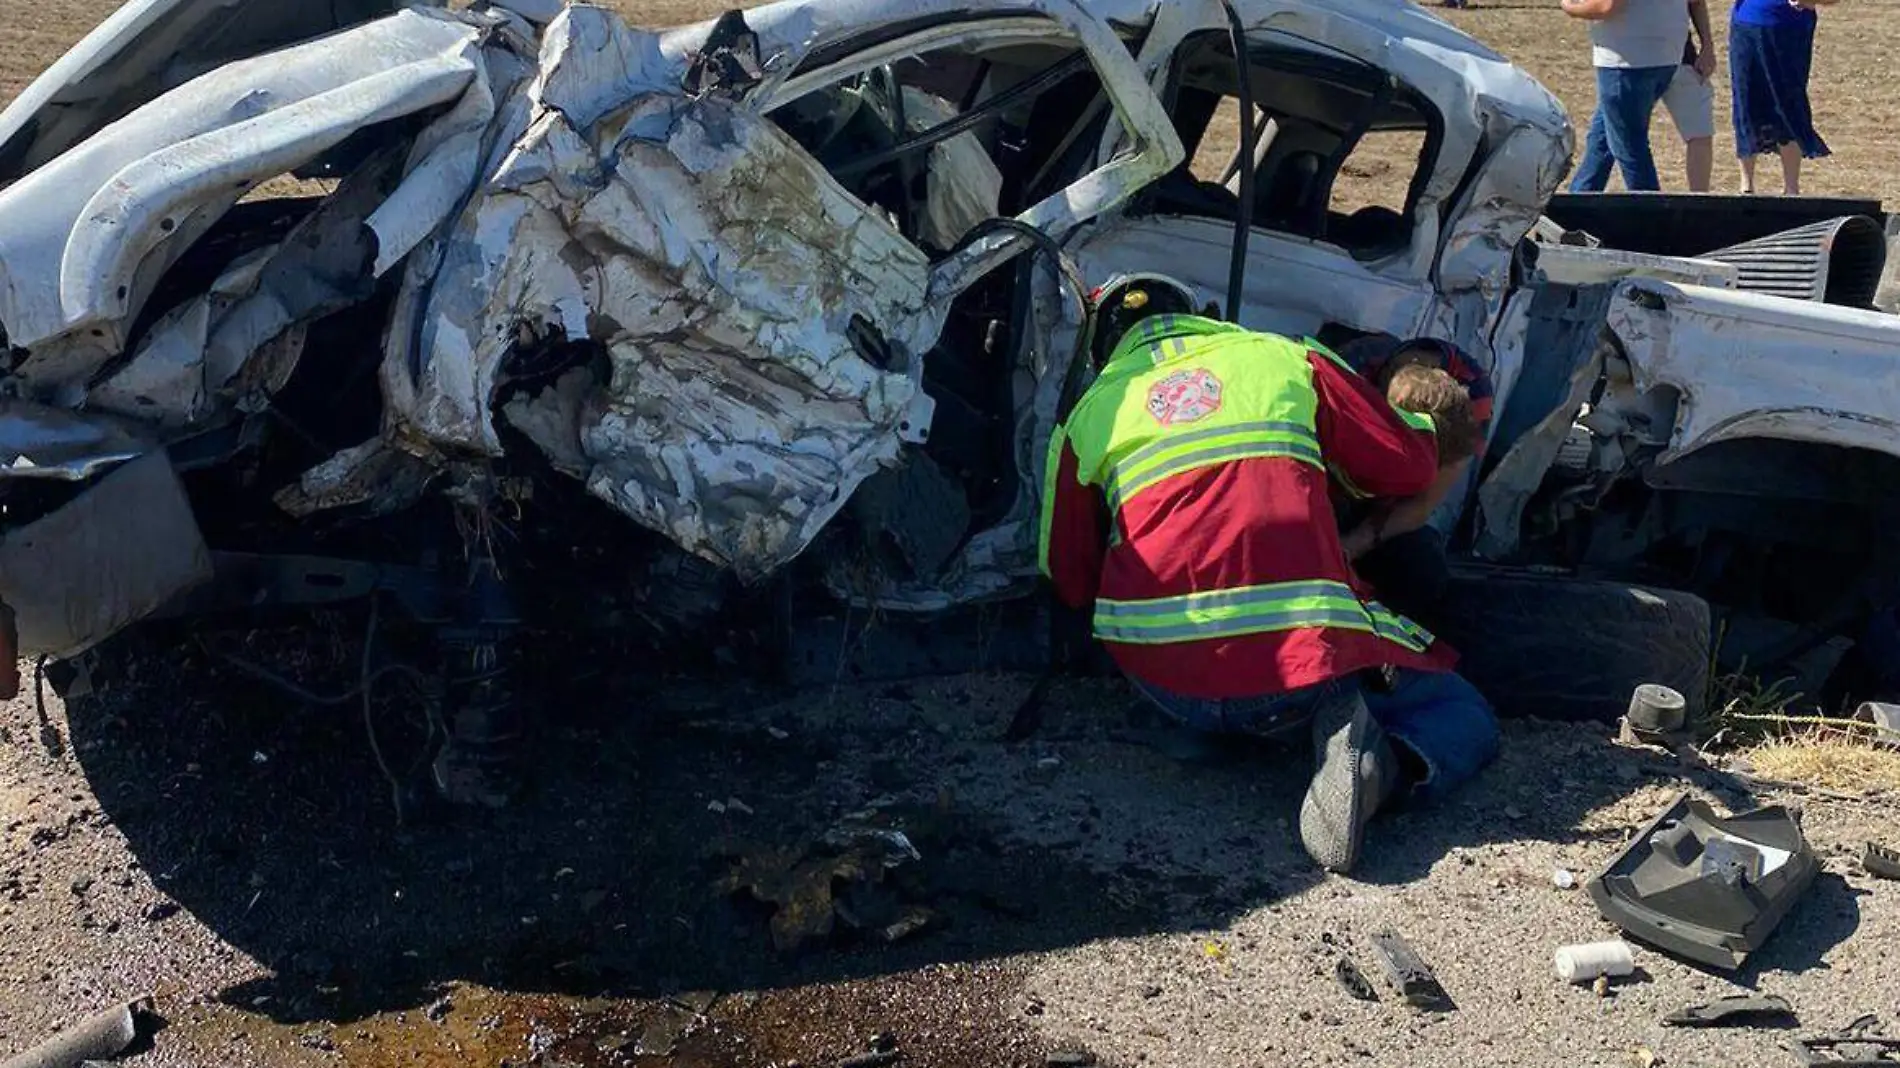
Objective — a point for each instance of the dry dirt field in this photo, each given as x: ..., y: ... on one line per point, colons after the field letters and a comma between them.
x: 196, y: 837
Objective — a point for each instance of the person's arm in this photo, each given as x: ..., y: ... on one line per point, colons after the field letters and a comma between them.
x: 1705, y: 39
x: 1392, y: 519
x: 1373, y: 448
x: 1593, y: 10
x: 1074, y: 526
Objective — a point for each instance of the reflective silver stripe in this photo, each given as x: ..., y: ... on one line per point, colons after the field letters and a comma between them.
x: 1270, y: 594
x: 1253, y: 624
x: 1161, y: 445
x: 1118, y: 492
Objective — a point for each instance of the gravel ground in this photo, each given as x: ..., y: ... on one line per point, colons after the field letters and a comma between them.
x: 193, y: 835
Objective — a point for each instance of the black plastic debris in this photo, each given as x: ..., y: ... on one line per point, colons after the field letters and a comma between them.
x: 729, y: 63
x: 1740, y: 1010
x: 1707, y: 888
x: 1855, y: 1046
x: 1408, y: 973
x: 102, y: 1037
x: 1881, y: 861
x: 1354, y: 981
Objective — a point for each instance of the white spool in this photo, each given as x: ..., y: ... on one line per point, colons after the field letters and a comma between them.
x: 1582, y: 964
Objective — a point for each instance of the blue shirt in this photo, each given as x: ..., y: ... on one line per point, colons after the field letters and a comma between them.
x: 1770, y: 13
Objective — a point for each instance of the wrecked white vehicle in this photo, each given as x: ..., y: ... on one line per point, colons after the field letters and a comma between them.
x: 793, y: 296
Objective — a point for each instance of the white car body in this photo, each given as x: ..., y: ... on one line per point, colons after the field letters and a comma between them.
x: 765, y: 330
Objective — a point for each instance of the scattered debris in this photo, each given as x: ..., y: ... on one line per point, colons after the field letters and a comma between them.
x: 1881, y: 861
x: 1043, y: 772
x: 1408, y: 973
x: 873, y: 1059
x: 439, y: 1009
x: 1353, y: 980
x: 1853, y: 1046
x: 1149, y: 991
x: 1601, y: 986
x: 1656, y: 710
x: 1884, y: 717
x: 1078, y: 1058
x: 662, y: 1036
x: 102, y: 1037
x: 803, y: 883
x: 1563, y: 879
x: 1738, y: 1010
x: 1583, y: 963
x: 1706, y: 888
x: 1644, y: 1057
x: 697, y: 1002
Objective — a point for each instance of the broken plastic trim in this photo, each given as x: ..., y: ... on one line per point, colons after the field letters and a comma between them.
x: 1707, y: 888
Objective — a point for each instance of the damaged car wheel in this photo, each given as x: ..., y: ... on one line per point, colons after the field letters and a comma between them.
x: 1563, y: 648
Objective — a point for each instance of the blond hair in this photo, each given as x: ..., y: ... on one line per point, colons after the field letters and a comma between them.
x: 1416, y: 386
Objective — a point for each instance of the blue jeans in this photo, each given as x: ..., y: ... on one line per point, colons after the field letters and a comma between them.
x: 1619, y: 130
x: 1438, y: 717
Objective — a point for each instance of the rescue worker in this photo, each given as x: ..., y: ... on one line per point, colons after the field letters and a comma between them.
x: 1398, y: 546
x: 1186, y: 499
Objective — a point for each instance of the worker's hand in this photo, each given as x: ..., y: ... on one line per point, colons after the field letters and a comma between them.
x: 1359, y: 541
x: 1705, y: 63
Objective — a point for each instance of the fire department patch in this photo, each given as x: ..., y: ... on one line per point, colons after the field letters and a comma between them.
x: 1184, y: 397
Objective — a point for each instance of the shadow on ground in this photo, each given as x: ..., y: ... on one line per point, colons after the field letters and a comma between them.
x: 270, y: 823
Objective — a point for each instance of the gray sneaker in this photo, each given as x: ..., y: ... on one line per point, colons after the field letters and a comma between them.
x: 1354, y: 771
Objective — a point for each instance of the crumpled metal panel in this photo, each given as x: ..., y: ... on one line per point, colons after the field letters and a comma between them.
x: 37, y: 441
x: 108, y: 558
x: 1747, y: 365
x: 725, y: 273
x: 84, y: 238
x: 147, y: 48
x: 251, y: 318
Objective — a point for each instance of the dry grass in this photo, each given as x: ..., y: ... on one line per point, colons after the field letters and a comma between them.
x: 1829, y: 761
x: 1765, y: 724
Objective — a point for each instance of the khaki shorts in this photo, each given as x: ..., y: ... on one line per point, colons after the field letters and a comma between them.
x: 1691, y: 104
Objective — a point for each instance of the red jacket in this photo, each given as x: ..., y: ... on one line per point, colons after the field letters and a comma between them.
x: 1212, y: 533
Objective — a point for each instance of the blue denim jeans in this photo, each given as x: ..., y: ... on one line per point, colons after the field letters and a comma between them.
x: 1438, y: 717
x: 1619, y: 129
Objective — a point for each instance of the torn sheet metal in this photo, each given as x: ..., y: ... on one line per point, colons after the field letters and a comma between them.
x: 107, y: 559
x: 1746, y: 365
x: 1539, y: 402
x: 146, y: 48
x: 242, y: 338
x: 374, y: 475
x: 52, y: 443
x: 762, y: 325
x: 1578, y: 265
x: 84, y: 238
